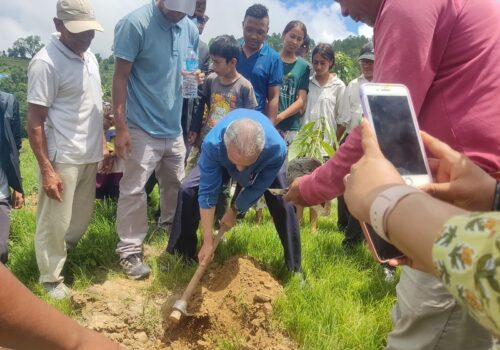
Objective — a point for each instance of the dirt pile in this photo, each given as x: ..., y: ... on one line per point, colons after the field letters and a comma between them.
x: 231, y: 309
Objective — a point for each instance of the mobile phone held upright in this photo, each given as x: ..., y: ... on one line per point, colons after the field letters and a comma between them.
x: 389, y: 110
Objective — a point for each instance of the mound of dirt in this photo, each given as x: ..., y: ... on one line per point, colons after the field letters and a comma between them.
x: 231, y: 308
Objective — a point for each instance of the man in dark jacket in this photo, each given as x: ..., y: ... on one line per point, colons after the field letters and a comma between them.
x: 10, y: 174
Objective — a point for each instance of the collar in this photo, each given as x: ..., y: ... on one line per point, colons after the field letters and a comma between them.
x: 264, y: 50
x: 162, y: 21
x: 64, y: 50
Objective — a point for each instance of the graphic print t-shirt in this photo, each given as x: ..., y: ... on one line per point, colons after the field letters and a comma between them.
x: 224, y: 98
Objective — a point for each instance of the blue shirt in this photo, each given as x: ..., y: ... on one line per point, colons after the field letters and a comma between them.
x: 263, y: 69
x: 157, y: 49
x: 254, y: 179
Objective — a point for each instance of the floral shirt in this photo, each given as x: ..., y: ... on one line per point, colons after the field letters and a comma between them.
x: 467, y: 258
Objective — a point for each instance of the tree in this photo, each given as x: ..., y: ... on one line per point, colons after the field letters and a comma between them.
x: 25, y: 47
x: 274, y: 40
x: 345, y: 68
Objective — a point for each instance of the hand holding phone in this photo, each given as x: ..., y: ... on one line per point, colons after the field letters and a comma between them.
x: 389, y: 110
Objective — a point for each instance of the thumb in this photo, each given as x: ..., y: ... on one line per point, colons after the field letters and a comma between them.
x: 440, y: 191
x: 369, y: 140
x: 438, y: 148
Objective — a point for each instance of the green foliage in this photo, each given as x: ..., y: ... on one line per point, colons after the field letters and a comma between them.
x: 25, y: 47
x: 16, y: 83
x: 274, y: 40
x: 313, y: 140
x: 345, y: 68
x: 350, y: 46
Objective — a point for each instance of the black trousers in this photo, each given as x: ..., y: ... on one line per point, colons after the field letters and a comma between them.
x: 183, y: 239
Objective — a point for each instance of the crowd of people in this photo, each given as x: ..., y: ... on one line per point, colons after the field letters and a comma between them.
x: 252, y: 103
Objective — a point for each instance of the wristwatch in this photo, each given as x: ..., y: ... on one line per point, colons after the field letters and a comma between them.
x: 496, y: 197
x: 383, y: 205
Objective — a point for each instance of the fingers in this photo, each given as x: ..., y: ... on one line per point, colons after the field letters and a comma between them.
x: 440, y: 191
x: 433, y: 164
x: 369, y: 140
x: 437, y: 148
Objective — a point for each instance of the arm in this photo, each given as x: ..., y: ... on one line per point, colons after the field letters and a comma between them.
x: 264, y: 179
x: 415, y: 221
x: 205, y: 255
x: 325, y: 182
x: 120, y: 80
x: 17, y: 199
x: 51, y: 182
x: 27, y: 323
x: 294, y: 108
x: 272, y: 105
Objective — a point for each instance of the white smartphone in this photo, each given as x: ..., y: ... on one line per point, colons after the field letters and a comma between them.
x: 389, y: 110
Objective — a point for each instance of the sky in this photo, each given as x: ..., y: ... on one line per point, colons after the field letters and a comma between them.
x: 322, y: 18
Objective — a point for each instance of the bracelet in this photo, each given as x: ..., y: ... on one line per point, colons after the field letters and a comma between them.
x: 384, y: 203
x: 496, y: 198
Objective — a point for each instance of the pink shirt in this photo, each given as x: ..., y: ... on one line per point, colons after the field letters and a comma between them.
x: 448, y: 54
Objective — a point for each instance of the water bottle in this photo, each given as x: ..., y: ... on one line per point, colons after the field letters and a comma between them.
x: 189, y: 81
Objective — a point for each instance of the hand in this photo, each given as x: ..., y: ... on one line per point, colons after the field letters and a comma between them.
x: 293, y: 195
x: 369, y: 176
x: 192, y: 137
x: 200, y: 76
x: 123, y: 148
x: 52, y: 185
x: 17, y: 200
x: 206, y: 253
x: 229, y: 219
x: 106, y: 164
x: 277, y: 120
x: 457, y: 180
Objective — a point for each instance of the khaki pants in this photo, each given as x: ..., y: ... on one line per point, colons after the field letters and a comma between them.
x: 59, y: 225
x: 427, y: 317
x: 166, y: 158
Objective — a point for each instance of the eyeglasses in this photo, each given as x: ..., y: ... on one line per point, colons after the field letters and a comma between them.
x: 200, y: 19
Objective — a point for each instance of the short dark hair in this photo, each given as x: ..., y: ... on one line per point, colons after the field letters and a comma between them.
x: 326, y: 51
x: 294, y: 24
x: 225, y: 46
x: 257, y: 11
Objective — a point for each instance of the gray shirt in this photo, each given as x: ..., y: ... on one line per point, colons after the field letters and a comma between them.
x: 4, y: 185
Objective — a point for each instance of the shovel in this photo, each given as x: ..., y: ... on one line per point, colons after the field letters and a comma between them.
x: 180, y: 306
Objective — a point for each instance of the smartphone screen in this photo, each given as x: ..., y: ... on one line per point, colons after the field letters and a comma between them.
x: 396, y: 133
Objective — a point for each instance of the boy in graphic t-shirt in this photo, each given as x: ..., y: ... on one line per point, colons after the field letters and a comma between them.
x: 223, y: 91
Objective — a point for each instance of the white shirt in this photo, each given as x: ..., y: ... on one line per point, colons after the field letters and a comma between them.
x: 323, y: 101
x: 71, y: 88
x: 350, y: 104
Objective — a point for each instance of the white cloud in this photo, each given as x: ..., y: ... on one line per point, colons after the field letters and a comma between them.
x: 21, y: 18
x: 365, y: 30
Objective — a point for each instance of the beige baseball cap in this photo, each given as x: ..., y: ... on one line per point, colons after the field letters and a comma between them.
x: 77, y: 15
x: 184, y: 6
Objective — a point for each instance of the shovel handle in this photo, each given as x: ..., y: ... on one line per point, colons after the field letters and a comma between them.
x: 188, y: 292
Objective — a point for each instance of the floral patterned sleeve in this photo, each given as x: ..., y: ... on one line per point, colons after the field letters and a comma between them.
x: 467, y: 258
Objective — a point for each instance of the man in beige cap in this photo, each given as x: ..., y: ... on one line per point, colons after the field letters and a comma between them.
x: 65, y: 130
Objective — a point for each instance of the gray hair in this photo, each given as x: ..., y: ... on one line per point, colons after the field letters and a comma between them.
x: 246, y: 136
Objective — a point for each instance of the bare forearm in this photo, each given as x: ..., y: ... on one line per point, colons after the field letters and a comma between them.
x: 119, y: 100
x: 207, y: 223
x: 272, y: 107
x: 292, y: 110
x: 38, y: 142
x: 414, y: 224
x: 26, y: 322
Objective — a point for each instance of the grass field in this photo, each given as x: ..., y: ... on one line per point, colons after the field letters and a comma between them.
x: 344, y: 304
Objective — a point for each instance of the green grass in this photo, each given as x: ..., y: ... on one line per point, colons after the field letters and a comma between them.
x: 344, y: 303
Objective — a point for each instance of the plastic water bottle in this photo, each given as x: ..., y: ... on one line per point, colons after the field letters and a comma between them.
x: 189, y: 81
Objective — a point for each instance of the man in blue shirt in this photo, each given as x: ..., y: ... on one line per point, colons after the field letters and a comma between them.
x: 150, y: 46
x: 259, y: 63
x: 245, y: 146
